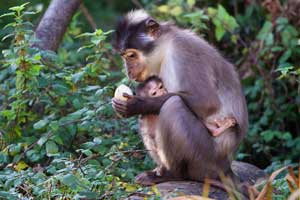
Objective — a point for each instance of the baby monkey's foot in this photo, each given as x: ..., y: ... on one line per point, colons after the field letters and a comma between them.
x: 230, y: 121
x: 225, y: 122
x: 223, y: 125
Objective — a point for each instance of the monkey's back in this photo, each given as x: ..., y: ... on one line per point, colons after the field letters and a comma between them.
x: 200, y: 59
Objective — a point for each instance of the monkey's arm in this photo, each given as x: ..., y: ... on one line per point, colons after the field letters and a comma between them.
x: 136, y: 105
x: 202, y: 101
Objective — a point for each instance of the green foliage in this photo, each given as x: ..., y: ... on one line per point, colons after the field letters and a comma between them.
x: 57, y: 122
x: 60, y: 137
x: 222, y: 20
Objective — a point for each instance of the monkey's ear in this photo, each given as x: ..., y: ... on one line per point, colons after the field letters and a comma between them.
x: 152, y: 27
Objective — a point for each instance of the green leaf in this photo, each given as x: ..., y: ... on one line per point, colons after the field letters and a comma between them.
x: 8, y: 14
x: 98, y: 32
x: 8, y: 195
x: 222, y: 21
x: 85, y: 47
x: 54, y: 126
x: 51, y: 148
x: 15, y: 149
x: 285, y: 56
x: 9, y: 114
x: 29, y: 13
x: 220, y: 31
x: 265, y: 30
x: 97, y: 140
x: 87, y: 152
x: 19, y: 8
x: 176, y: 11
x: 191, y: 3
x: 108, y: 32
x: 13, y: 24
x: 268, y: 135
x: 34, y: 70
x: 20, y: 166
x: 40, y: 124
x: 211, y: 11
x: 33, y: 155
x: 42, y: 140
x: 269, y: 39
x: 286, y: 136
x: 70, y: 180
x: 163, y: 8
x: 92, y: 87
x: 77, y: 77
x: 60, y: 89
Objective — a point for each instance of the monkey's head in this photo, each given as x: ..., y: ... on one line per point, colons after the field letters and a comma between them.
x: 135, y: 39
x: 151, y: 87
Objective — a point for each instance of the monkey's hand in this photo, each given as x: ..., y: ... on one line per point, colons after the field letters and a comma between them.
x: 135, y: 105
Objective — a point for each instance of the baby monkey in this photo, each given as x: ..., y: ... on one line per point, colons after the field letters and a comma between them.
x: 153, y: 87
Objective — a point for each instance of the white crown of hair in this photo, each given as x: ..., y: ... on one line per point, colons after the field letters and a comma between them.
x: 136, y: 16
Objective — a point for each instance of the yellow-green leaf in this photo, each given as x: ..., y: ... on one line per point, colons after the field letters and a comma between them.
x: 155, y: 190
x: 176, y: 11
x: 191, y: 3
x: 20, y: 166
x: 163, y: 8
x: 130, y: 188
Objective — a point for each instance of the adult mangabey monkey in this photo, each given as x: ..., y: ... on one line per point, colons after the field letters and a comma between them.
x: 210, y: 88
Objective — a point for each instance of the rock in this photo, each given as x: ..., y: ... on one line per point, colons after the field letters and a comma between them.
x: 184, y: 189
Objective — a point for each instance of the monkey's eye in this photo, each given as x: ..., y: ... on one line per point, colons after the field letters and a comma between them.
x: 130, y: 55
x: 161, y: 86
x: 154, y: 93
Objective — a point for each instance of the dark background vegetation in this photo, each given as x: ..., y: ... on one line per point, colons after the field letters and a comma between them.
x: 59, y: 134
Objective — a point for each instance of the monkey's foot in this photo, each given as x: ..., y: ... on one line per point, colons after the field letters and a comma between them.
x: 149, y: 178
x: 159, y: 171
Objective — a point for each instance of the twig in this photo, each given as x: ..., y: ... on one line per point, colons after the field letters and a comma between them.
x: 127, y: 152
x: 88, y: 16
x: 106, y: 195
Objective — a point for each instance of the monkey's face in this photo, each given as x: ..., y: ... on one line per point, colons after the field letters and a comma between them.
x: 135, y: 64
x: 134, y: 40
x: 156, y: 89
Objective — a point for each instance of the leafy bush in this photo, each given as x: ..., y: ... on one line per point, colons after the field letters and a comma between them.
x: 57, y: 123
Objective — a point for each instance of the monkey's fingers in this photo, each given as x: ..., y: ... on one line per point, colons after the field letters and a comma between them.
x: 119, y: 106
x: 128, y: 96
x: 119, y: 102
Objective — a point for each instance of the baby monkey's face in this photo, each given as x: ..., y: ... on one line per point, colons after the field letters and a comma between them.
x: 156, y: 88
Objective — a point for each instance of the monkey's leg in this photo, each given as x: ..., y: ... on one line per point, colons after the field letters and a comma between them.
x: 184, y: 145
x: 150, y: 146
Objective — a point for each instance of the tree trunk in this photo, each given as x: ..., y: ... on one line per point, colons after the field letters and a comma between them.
x: 54, y: 23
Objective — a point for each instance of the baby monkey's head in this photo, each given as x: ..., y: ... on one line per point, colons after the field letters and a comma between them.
x: 151, y: 87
